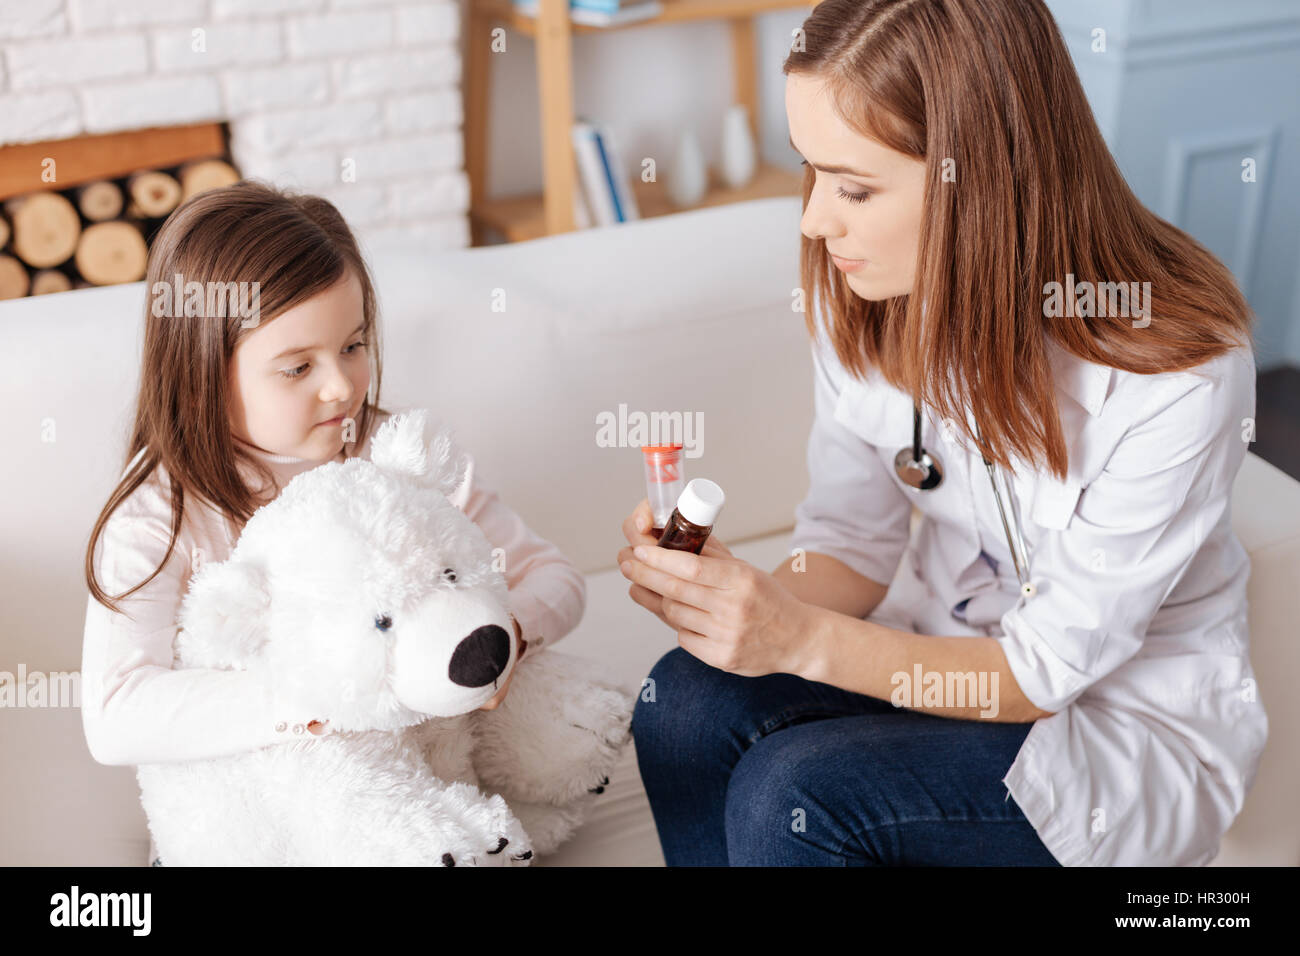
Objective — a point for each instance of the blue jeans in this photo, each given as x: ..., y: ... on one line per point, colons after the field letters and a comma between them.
x: 782, y: 771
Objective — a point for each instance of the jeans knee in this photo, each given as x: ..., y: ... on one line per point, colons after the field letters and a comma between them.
x: 764, y: 787
x: 775, y: 804
x: 679, y: 705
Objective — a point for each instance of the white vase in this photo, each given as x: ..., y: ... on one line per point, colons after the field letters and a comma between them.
x: 739, y: 156
x: 688, y: 177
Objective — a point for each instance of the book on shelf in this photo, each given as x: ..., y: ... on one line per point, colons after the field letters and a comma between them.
x: 601, y: 13
x: 581, y: 212
x: 602, y: 175
x: 616, y: 174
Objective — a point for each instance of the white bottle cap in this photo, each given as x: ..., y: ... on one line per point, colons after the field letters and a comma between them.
x: 700, y: 502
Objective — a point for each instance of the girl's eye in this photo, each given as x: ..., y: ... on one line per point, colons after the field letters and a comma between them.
x: 852, y: 197
x: 298, y: 372
x: 383, y: 622
x: 449, y: 575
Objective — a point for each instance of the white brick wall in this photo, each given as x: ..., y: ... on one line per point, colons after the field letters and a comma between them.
x: 310, y: 88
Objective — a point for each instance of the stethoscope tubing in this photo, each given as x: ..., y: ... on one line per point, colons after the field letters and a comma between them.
x: 930, y: 471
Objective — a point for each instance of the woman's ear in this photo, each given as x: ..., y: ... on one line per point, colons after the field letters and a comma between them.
x: 224, y: 615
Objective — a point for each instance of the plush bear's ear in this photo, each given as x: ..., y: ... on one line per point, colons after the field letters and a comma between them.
x: 413, y: 446
x: 224, y: 615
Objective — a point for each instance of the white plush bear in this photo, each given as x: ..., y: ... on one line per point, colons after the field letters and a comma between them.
x: 367, y: 598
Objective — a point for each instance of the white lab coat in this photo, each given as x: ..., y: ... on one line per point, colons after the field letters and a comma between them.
x: 1137, y: 638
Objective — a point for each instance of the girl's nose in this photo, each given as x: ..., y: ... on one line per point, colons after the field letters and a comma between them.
x: 337, y: 389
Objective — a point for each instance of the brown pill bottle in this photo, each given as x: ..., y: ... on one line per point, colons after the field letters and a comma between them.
x: 692, y: 520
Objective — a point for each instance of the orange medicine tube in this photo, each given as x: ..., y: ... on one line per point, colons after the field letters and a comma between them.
x: 691, y: 522
x: 664, y: 482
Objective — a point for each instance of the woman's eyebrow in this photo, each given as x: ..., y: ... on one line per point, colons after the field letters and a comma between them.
x: 839, y: 170
x: 308, y: 348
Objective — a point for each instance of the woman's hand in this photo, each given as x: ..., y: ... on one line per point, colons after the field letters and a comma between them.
x: 636, y: 529
x: 522, y: 646
x: 726, y: 612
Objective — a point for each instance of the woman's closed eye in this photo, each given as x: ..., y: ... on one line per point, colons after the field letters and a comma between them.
x: 843, y: 194
x: 292, y: 373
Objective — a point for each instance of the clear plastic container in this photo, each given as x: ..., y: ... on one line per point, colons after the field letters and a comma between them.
x: 664, y: 482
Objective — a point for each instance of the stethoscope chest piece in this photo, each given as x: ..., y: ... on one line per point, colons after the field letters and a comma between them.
x: 923, y: 471
x: 916, y: 467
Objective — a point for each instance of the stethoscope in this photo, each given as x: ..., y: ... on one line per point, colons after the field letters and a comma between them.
x: 919, y: 469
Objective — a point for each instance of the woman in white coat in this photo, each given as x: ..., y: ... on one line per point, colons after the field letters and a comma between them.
x: 1059, y: 673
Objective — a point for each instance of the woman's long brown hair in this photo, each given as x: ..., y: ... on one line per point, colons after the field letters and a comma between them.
x: 294, y: 246
x: 989, y: 85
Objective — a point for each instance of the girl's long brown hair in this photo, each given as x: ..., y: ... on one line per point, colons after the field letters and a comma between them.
x: 989, y: 84
x: 294, y: 246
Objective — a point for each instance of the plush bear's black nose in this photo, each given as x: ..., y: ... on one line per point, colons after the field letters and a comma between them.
x: 480, y: 658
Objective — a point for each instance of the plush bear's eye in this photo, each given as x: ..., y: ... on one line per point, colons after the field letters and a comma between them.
x: 383, y: 622
x: 449, y: 575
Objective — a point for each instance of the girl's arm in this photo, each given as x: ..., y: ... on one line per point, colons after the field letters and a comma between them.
x: 547, y: 593
x: 134, y: 707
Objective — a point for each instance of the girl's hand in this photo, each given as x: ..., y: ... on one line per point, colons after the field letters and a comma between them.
x: 636, y: 528
x: 726, y: 612
x: 522, y: 646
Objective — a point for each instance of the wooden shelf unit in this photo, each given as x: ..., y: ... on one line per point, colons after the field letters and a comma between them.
x: 551, y: 212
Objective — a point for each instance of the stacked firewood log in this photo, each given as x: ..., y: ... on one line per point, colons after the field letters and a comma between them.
x: 95, y: 233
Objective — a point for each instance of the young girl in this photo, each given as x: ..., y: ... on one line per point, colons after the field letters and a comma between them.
x: 229, y: 410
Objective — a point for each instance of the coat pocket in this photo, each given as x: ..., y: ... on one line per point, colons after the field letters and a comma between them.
x: 1054, y: 501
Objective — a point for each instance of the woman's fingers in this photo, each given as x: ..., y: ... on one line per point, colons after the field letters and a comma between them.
x: 712, y: 548
x: 684, y: 617
x: 649, y: 600
x: 715, y: 548
x: 643, y: 516
x: 672, y: 585
x: 636, y: 529
x: 637, y: 525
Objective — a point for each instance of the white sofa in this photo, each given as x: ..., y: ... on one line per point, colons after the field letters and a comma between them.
x: 690, y: 313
